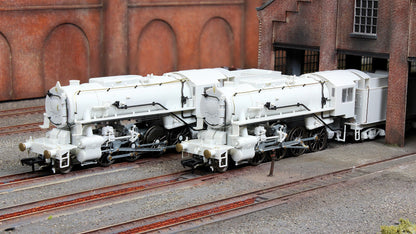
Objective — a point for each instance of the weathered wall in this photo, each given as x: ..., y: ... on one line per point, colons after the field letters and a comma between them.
x: 43, y: 41
x: 318, y: 23
x: 328, y: 25
x: 385, y: 28
x: 46, y: 42
x: 412, y: 29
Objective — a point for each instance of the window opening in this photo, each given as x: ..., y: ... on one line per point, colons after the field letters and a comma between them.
x: 311, y: 61
x: 347, y: 95
x: 280, y: 60
x: 365, y: 17
x: 366, y: 64
x: 341, y: 61
x: 307, y: 60
x: 413, y: 66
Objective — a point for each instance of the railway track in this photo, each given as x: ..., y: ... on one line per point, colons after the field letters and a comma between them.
x: 21, y: 128
x: 19, y: 181
x: 19, y: 178
x: 188, y: 217
x: 250, y: 202
x: 97, y: 196
x: 22, y: 111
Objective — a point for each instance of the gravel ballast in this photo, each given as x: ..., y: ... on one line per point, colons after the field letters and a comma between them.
x: 361, y: 206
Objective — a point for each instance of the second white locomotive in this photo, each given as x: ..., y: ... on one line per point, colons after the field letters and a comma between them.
x: 248, y: 119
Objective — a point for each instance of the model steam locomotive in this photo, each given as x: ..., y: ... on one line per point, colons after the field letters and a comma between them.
x: 249, y: 119
x: 238, y: 116
x: 118, y: 117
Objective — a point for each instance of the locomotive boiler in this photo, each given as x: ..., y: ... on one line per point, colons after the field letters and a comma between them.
x: 118, y: 117
x: 249, y: 119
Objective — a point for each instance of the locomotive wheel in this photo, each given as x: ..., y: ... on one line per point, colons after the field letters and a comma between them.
x: 321, y: 142
x: 133, y: 157
x: 104, y: 162
x: 178, y: 135
x: 296, y: 133
x: 154, y: 134
x: 217, y: 168
x: 64, y: 170
x: 280, y: 153
x: 257, y: 159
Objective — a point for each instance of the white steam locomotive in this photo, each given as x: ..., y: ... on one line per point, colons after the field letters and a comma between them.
x: 119, y: 117
x: 247, y: 119
x: 239, y: 116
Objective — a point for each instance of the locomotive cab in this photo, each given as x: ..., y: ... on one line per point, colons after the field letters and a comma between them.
x: 342, y: 85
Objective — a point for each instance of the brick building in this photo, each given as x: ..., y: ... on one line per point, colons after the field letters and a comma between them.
x: 299, y: 36
x: 42, y: 41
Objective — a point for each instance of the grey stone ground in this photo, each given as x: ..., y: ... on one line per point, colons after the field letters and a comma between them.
x: 360, y: 207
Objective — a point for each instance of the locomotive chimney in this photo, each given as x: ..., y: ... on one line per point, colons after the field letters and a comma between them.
x: 74, y: 82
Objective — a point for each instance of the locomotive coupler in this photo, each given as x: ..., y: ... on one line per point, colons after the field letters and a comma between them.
x: 31, y: 162
x: 192, y: 162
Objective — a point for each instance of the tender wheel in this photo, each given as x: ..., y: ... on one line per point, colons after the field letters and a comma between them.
x: 296, y: 133
x: 257, y: 159
x: 104, y: 161
x: 321, y: 141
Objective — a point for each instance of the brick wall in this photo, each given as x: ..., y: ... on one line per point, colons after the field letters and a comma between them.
x: 43, y: 41
x: 328, y: 25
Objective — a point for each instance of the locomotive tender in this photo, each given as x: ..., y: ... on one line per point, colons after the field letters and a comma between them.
x: 118, y: 117
x: 248, y: 119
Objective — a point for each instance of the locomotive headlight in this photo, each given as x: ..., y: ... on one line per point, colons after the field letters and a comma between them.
x: 22, y: 147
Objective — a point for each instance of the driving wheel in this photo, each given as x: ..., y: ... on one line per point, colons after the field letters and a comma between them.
x: 321, y: 140
x: 296, y: 134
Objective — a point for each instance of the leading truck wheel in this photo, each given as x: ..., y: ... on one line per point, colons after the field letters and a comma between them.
x: 217, y: 168
x: 64, y: 170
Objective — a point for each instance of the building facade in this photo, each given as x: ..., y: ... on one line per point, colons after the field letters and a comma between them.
x: 44, y: 41
x: 299, y: 36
